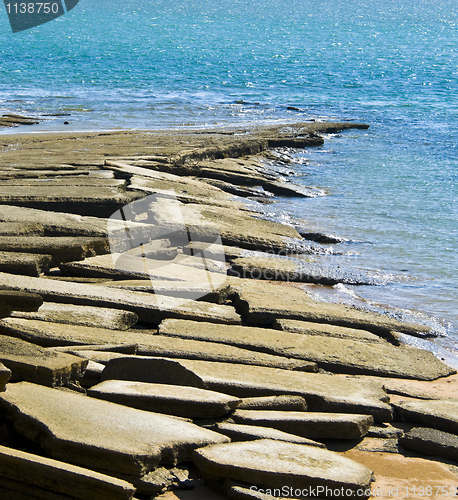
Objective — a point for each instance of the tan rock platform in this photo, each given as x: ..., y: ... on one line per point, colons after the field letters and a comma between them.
x: 240, y: 432
x: 35, y: 364
x: 84, y: 200
x: 18, y: 300
x: 431, y: 442
x: 103, y: 436
x: 60, y: 248
x: 439, y: 413
x: 335, y: 354
x: 240, y: 491
x: 143, y: 304
x: 148, y: 343
x: 264, y: 303
x: 273, y: 464
x: 112, y: 319
x: 308, y: 424
x: 443, y: 388
x: 23, y: 475
x: 328, y: 393
x: 24, y: 263
x: 53, y: 223
x: 326, y: 330
x: 182, y: 401
x: 286, y: 402
x: 20, y: 228
x: 130, y: 267
x: 102, y: 357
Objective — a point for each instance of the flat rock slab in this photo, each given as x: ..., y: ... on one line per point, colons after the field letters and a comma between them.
x: 238, y: 190
x: 60, y: 248
x: 128, y: 267
x: 246, y: 172
x: 239, y: 432
x: 312, y: 425
x: 29, y: 172
x: 431, y: 442
x: 237, y: 227
x: 180, y: 289
x: 335, y: 354
x: 67, y: 180
x: 144, y: 305
x: 274, y: 464
x: 92, y: 375
x: 379, y: 445
x: 24, y: 475
x: 286, y: 402
x: 443, y: 388
x: 440, y: 413
x: 385, y: 431
x: 297, y: 270
x: 18, y: 300
x: 99, y: 201
x: 189, y: 402
x: 412, y: 389
x: 55, y: 223
x: 102, y: 436
x: 21, y: 228
x: 150, y: 180
x: 25, y: 263
x: 49, y: 334
x: 35, y: 364
x: 18, y: 120
x: 264, y: 303
x: 102, y: 357
x: 165, y: 479
x: 107, y: 348
x: 329, y: 393
x: 5, y: 375
x: 320, y: 237
x: 341, y: 332
x: 99, y: 317
x: 187, y: 190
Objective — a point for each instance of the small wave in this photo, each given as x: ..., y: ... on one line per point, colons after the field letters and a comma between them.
x: 440, y: 351
x: 343, y: 289
x: 80, y: 109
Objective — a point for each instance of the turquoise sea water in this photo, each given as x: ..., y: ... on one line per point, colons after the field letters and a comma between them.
x: 393, y: 64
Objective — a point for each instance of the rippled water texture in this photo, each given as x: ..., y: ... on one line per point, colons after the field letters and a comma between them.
x: 136, y: 64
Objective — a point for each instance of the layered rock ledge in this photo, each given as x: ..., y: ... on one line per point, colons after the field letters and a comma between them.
x: 155, y: 333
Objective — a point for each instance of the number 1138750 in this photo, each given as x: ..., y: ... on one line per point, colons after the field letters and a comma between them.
x: 32, y: 8
x: 431, y: 491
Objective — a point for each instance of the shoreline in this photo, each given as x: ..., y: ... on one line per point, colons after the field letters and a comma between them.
x: 246, y: 339
x: 120, y: 137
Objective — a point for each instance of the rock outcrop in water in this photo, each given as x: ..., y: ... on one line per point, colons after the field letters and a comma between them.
x: 9, y: 120
x: 168, y: 345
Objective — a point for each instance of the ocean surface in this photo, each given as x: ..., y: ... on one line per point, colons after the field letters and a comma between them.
x: 391, y: 190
